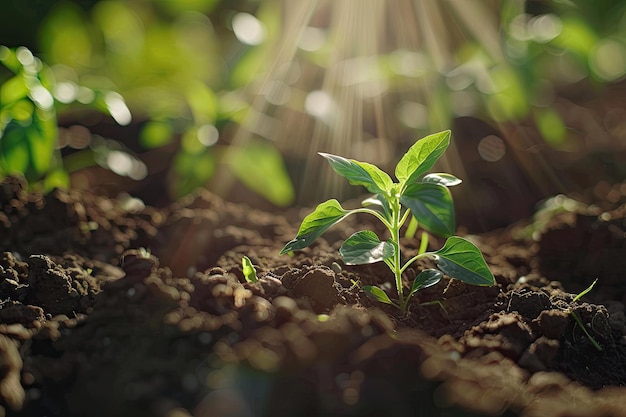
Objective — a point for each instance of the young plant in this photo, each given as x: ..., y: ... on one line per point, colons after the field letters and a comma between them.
x: 579, y: 321
x: 249, y: 271
x: 423, y: 196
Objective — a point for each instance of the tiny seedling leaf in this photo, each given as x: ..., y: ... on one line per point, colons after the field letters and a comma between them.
x: 585, y: 291
x: 378, y: 294
x: 425, y: 279
x: 422, y: 156
x: 447, y: 180
x: 360, y: 173
x: 462, y: 260
x: 432, y: 206
x: 364, y: 247
x: 249, y: 272
x: 315, y: 224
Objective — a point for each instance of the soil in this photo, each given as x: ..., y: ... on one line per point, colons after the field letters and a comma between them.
x: 112, y: 308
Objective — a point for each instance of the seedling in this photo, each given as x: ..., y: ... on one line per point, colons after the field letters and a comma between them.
x: 580, y: 322
x: 249, y: 271
x: 423, y: 196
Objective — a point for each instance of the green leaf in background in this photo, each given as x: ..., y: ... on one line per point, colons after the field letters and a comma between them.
x: 424, y: 279
x: 364, y: 247
x: 461, y: 259
x: 42, y: 138
x: 377, y: 294
x: 432, y: 206
x: 447, y: 180
x: 360, y: 173
x: 192, y: 170
x: 551, y: 127
x: 422, y: 156
x: 315, y: 224
x: 28, y: 147
x: 14, y: 153
x: 249, y: 272
x: 259, y: 165
x: 12, y: 90
x: 156, y: 133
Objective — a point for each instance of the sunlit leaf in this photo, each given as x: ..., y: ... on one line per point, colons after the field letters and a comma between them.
x: 249, y: 272
x: 360, y: 173
x: 364, y: 247
x: 447, y: 180
x: 377, y: 294
x: 462, y: 260
x: 315, y: 224
x: 432, y: 206
x: 422, y: 156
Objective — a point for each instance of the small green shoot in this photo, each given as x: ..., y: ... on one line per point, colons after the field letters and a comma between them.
x: 249, y: 272
x: 423, y: 197
x: 579, y: 321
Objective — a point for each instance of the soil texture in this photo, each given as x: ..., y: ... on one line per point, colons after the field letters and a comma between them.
x: 112, y: 308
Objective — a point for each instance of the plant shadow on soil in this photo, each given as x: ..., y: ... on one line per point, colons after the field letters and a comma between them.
x: 91, y: 324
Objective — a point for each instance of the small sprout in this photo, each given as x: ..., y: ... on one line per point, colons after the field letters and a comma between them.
x: 425, y: 198
x: 144, y: 253
x: 249, y: 272
x: 322, y: 317
x: 579, y: 321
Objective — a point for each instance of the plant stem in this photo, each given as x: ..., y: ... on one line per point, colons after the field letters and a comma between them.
x: 397, y: 259
x: 423, y: 243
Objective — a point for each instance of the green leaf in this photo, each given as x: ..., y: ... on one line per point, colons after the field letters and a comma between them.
x: 425, y: 279
x: 360, y: 173
x: 432, y: 206
x: 447, y: 180
x: 315, y: 224
x: 422, y: 156
x: 585, y: 291
x: 378, y: 294
x: 364, y: 247
x: 380, y: 204
x: 260, y: 166
x: 13, y: 90
x: 249, y: 272
x: 462, y: 260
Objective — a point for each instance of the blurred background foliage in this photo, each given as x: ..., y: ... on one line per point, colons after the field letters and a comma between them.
x: 160, y: 97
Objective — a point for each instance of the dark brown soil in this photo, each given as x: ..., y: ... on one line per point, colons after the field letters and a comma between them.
x: 109, y: 308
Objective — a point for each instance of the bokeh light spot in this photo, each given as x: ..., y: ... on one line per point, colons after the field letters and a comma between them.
x: 545, y: 27
x: 42, y: 97
x: 320, y: 104
x: 312, y: 39
x: 412, y: 114
x: 117, y: 107
x: 248, y: 29
x: 608, y: 59
x: 208, y: 135
x: 65, y: 92
x: 25, y: 56
x: 491, y: 148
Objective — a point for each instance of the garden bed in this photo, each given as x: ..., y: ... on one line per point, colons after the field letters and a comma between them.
x: 113, y: 308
